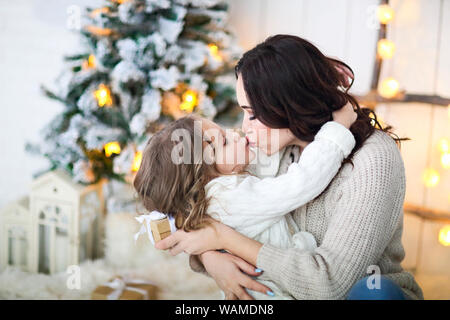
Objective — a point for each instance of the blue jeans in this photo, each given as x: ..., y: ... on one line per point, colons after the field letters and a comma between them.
x: 388, y: 290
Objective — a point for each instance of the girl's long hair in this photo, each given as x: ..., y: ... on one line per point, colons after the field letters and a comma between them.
x: 291, y: 84
x: 177, y: 189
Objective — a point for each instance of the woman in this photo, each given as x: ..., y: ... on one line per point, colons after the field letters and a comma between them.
x: 288, y: 89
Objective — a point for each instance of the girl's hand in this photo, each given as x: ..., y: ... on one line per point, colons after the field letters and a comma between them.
x: 345, y: 116
x: 232, y: 275
x: 194, y: 242
x: 345, y: 73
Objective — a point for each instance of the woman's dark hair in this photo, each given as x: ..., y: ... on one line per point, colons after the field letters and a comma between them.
x: 289, y: 83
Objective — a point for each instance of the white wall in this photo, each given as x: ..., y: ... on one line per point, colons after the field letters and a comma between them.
x: 33, y: 40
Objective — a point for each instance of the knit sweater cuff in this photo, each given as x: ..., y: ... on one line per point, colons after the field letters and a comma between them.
x: 266, y: 256
x: 340, y: 135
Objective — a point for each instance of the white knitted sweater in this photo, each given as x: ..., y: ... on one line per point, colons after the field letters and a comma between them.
x: 357, y: 223
x: 259, y: 208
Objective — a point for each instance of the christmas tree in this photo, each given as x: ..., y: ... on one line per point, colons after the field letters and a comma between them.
x: 143, y: 63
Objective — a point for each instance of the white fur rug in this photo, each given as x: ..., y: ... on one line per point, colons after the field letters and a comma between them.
x: 122, y: 257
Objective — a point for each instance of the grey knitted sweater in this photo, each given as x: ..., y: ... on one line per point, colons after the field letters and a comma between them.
x: 357, y: 223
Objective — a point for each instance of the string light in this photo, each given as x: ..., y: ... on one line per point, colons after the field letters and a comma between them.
x: 112, y: 147
x: 137, y: 161
x: 214, y: 50
x: 385, y: 13
x: 189, y: 101
x: 444, y: 236
x: 445, y: 160
x: 385, y: 48
x: 89, y: 63
x: 430, y: 177
x: 389, y: 88
x: 99, y: 31
x: 444, y: 145
x: 98, y: 11
x: 379, y: 119
x: 103, y: 96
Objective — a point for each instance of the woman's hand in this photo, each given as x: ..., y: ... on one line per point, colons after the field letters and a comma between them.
x: 194, y: 242
x: 345, y: 115
x: 232, y: 275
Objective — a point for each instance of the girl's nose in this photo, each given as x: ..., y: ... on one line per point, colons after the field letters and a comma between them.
x: 236, y: 136
x: 244, y: 125
x: 240, y: 132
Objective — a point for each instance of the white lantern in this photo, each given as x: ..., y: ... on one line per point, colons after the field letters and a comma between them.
x: 67, y: 222
x: 15, y: 235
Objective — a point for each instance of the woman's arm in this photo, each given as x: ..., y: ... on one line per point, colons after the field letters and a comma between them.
x: 215, y: 236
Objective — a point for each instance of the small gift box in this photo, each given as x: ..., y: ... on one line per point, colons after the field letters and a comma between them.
x: 160, y: 229
x: 157, y: 225
x: 125, y: 289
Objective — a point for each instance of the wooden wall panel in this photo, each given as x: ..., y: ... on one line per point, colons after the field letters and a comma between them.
x: 247, y: 20
x: 359, y: 47
x: 443, y: 71
x: 284, y: 17
x: 326, y: 25
x: 414, y: 31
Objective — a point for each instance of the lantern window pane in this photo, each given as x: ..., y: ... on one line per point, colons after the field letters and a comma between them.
x: 44, y: 249
x: 61, y: 249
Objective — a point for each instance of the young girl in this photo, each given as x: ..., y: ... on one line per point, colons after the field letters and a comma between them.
x: 218, y: 186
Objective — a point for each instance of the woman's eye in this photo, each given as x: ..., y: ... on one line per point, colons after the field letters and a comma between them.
x: 251, y: 118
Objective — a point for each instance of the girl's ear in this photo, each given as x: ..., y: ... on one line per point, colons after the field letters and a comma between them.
x: 179, y: 220
x: 208, y: 153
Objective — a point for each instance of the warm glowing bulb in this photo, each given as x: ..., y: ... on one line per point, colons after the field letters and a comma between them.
x: 189, y: 101
x: 389, y: 88
x: 112, y: 147
x: 444, y: 145
x: 385, y: 49
x: 101, y: 32
x: 385, y: 13
x: 214, y: 49
x: 103, y: 96
x: 430, y: 177
x: 137, y: 161
x: 98, y: 11
x: 90, y: 62
x: 445, y: 160
x: 444, y: 235
x: 379, y: 119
